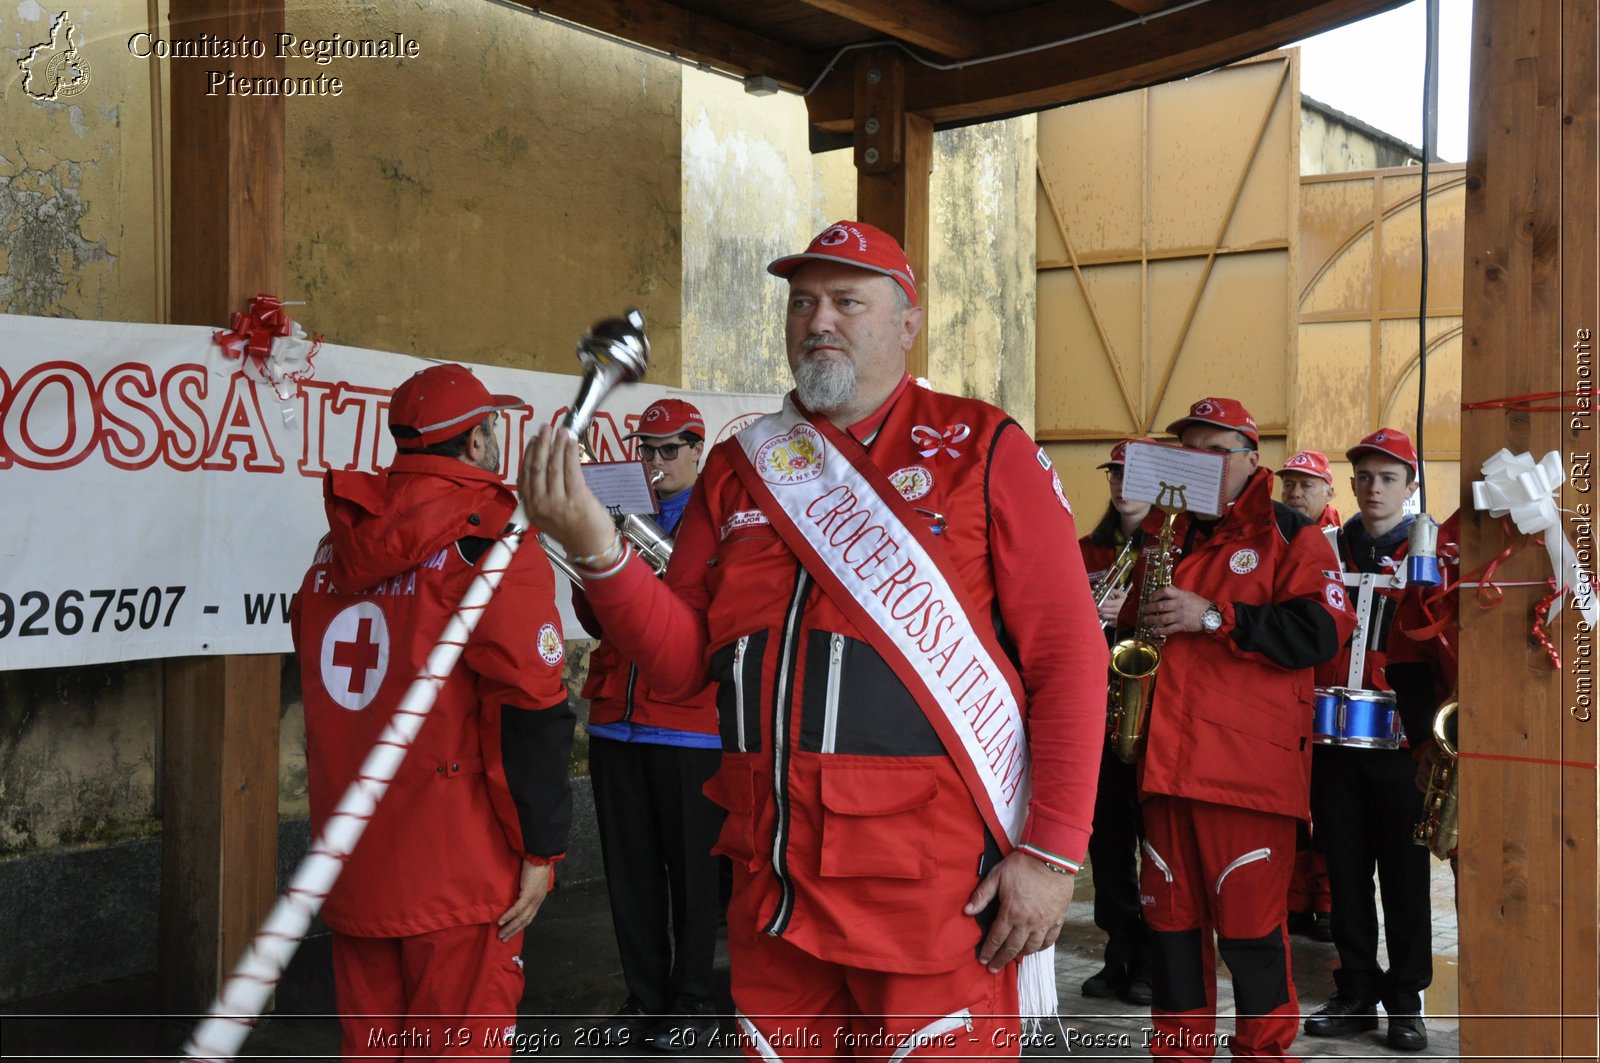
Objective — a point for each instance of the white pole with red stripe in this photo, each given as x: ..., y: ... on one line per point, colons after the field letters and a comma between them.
x: 243, y: 996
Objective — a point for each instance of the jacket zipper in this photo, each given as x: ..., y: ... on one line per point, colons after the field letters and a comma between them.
x: 780, y: 755
x: 919, y: 1039
x: 830, y: 708
x: 738, y: 688
x: 1248, y: 858
x: 633, y: 679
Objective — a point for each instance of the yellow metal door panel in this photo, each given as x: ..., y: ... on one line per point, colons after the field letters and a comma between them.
x: 1073, y: 356
x: 1335, y: 217
x: 1206, y: 136
x: 1092, y: 155
x: 1180, y: 266
x: 1236, y: 344
x: 1342, y: 285
x: 1334, y: 369
x: 1397, y: 400
x: 1398, y: 272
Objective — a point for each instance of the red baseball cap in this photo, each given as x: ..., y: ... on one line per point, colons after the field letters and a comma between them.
x: 1309, y: 463
x: 1223, y: 413
x: 668, y: 417
x: 1119, y: 452
x: 1389, y: 443
x: 854, y: 243
x: 439, y: 402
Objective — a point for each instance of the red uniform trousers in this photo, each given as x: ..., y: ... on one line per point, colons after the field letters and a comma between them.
x: 453, y: 992
x: 1224, y: 870
x: 791, y: 1005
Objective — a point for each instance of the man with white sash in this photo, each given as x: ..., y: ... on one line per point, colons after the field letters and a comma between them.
x: 883, y: 582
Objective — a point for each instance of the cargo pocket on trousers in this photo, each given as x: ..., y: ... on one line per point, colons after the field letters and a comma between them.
x: 876, y: 821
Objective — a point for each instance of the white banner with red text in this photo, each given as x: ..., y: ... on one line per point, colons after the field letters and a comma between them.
x: 159, y: 502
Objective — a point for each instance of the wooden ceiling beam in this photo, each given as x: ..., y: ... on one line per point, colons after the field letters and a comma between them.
x: 1184, y: 43
x: 669, y: 28
x: 930, y: 24
x: 1141, y: 7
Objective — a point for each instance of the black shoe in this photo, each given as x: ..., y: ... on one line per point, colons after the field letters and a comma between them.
x: 1407, y: 1033
x: 628, y: 1026
x: 1109, y: 984
x: 1137, y: 992
x: 692, y: 1027
x: 1342, y: 1016
x: 1321, y: 927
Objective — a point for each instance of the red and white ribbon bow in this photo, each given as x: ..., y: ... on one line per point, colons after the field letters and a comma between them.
x: 931, y: 441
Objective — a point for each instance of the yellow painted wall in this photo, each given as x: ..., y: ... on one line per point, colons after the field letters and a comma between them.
x: 490, y: 199
x: 752, y: 191
x: 981, y: 285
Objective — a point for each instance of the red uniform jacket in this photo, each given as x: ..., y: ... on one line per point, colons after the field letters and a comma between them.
x: 1231, y: 718
x: 1423, y: 641
x: 484, y: 786
x: 851, y: 832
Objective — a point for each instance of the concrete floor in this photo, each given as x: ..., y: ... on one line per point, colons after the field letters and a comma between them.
x: 574, y: 977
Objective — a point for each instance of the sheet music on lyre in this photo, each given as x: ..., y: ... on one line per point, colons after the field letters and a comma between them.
x: 623, y: 487
x: 1173, y: 478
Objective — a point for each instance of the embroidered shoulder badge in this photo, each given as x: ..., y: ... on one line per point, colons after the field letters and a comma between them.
x: 1061, y: 494
x: 792, y: 458
x: 1334, y: 593
x: 912, y: 482
x: 549, y: 642
x: 1244, y: 561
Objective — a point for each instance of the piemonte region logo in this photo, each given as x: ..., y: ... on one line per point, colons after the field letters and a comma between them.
x: 55, y: 70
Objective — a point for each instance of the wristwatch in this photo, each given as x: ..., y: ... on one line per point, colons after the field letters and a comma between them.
x: 1211, y: 619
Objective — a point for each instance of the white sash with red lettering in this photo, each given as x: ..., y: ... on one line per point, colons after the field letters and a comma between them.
x: 870, y: 554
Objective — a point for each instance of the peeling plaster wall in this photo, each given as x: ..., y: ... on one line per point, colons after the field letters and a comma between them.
x: 490, y: 199
x: 752, y: 191
x: 77, y: 199
x: 77, y: 756
x: 981, y: 285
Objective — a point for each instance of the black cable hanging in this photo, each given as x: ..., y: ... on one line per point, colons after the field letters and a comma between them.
x: 1430, y: 135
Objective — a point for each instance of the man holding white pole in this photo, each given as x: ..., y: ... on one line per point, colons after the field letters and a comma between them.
x: 429, y: 911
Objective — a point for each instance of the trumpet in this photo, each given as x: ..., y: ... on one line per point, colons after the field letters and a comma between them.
x: 1114, y: 579
x: 1136, y: 658
x: 615, y: 351
x: 1438, y: 829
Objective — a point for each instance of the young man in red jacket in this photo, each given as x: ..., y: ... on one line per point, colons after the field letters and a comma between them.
x: 429, y: 911
x: 1224, y: 776
x: 649, y: 759
x: 911, y: 679
x: 1365, y: 801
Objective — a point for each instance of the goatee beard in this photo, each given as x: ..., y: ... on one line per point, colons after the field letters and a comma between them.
x: 824, y: 384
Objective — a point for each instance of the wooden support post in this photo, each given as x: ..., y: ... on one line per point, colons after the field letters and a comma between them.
x: 220, y: 726
x: 1527, y: 900
x: 894, y: 160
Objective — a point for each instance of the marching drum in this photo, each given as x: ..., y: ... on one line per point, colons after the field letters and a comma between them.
x: 1365, y: 719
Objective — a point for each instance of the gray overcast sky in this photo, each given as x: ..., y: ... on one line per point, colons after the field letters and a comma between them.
x: 1372, y: 69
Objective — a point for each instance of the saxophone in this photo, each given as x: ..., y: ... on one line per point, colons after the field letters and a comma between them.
x: 1136, y: 658
x: 1437, y: 830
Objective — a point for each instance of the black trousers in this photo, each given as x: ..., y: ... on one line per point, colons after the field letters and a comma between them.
x: 1114, y: 857
x: 656, y: 833
x: 1364, y: 803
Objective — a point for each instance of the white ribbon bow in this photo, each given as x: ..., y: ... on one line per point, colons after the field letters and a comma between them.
x: 1513, y: 485
x: 931, y: 441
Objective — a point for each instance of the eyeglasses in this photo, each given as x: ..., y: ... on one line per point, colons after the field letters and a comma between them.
x: 1227, y: 450
x: 667, y: 451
